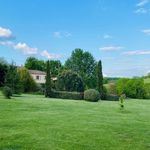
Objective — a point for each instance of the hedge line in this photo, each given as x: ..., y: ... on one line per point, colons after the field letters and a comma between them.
x: 67, y: 95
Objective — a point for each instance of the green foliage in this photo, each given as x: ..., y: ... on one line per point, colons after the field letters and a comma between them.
x: 147, y: 90
x: 67, y: 95
x: 33, y: 63
x: 100, y: 79
x: 13, y: 80
x: 70, y: 81
x: 48, y: 80
x: 28, y: 83
x: 111, y: 88
x: 133, y: 88
x: 3, y: 71
x: 55, y: 66
x: 121, y: 100
x: 84, y: 64
x: 7, y: 92
x: 91, y: 95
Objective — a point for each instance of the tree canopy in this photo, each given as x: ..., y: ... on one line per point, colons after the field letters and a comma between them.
x: 84, y: 64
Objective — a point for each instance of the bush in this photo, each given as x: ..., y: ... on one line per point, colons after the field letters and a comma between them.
x: 91, y: 95
x: 147, y: 91
x: 7, y: 92
x: 67, y: 95
x: 112, y: 97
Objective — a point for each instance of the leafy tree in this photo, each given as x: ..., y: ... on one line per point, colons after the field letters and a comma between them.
x: 12, y: 80
x: 33, y: 63
x: 70, y: 81
x: 133, y: 88
x: 48, y: 80
x: 27, y: 81
x: 100, y: 79
x: 83, y: 63
x: 3, y: 71
x: 55, y: 66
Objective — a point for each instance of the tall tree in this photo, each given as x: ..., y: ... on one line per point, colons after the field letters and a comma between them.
x: 3, y: 71
x: 33, y: 63
x: 55, y: 66
x: 12, y: 79
x: 100, y: 78
x: 84, y: 64
x: 48, y: 80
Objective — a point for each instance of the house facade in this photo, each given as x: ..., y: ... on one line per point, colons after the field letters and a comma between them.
x: 39, y: 76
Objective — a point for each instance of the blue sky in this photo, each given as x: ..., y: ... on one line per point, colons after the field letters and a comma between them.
x: 115, y: 31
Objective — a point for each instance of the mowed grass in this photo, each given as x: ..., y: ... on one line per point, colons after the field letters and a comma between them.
x: 38, y: 123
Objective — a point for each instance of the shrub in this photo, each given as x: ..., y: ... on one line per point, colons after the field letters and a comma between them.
x: 91, y: 95
x: 70, y: 81
x: 7, y: 92
x: 27, y: 81
x: 112, y: 97
x: 147, y: 90
x: 67, y: 95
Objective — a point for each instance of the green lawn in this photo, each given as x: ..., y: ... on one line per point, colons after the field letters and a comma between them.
x: 147, y: 80
x: 34, y: 122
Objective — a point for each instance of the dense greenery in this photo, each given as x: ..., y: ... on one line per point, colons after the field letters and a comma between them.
x: 35, y: 122
x: 48, y: 81
x: 100, y: 79
x: 84, y: 64
x: 56, y: 67
x: 69, y: 81
x: 28, y: 83
x: 133, y: 88
x: 7, y: 92
x: 3, y: 71
x: 91, y: 95
x: 33, y: 63
x: 67, y: 95
x: 12, y: 79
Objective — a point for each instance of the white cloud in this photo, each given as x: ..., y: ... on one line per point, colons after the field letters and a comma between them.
x: 57, y: 34
x: 7, y: 43
x: 146, y: 31
x: 25, y: 48
x: 137, y: 52
x: 141, y: 11
x: 142, y: 3
x: 61, y: 34
x: 111, y: 48
x: 107, y: 36
x: 5, y: 33
x: 46, y: 54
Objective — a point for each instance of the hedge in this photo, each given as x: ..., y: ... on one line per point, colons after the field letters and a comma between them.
x: 67, y: 95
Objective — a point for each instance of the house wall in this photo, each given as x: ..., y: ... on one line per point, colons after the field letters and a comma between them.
x: 38, y: 78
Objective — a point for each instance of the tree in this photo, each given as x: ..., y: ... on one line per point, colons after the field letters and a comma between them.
x: 55, y: 66
x: 83, y: 63
x: 133, y: 88
x: 27, y: 81
x: 3, y: 71
x: 100, y: 79
x: 33, y: 63
x: 48, y: 80
x: 70, y: 81
x: 12, y: 80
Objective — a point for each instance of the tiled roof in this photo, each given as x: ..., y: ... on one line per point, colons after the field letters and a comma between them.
x: 37, y: 72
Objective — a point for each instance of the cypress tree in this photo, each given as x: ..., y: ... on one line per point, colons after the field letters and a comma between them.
x: 48, y: 80
x: 100, y: 79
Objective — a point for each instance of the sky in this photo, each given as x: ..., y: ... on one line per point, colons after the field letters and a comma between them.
x: 114, y: 31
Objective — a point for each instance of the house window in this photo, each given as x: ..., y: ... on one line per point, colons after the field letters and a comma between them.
x: 37, y: 77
